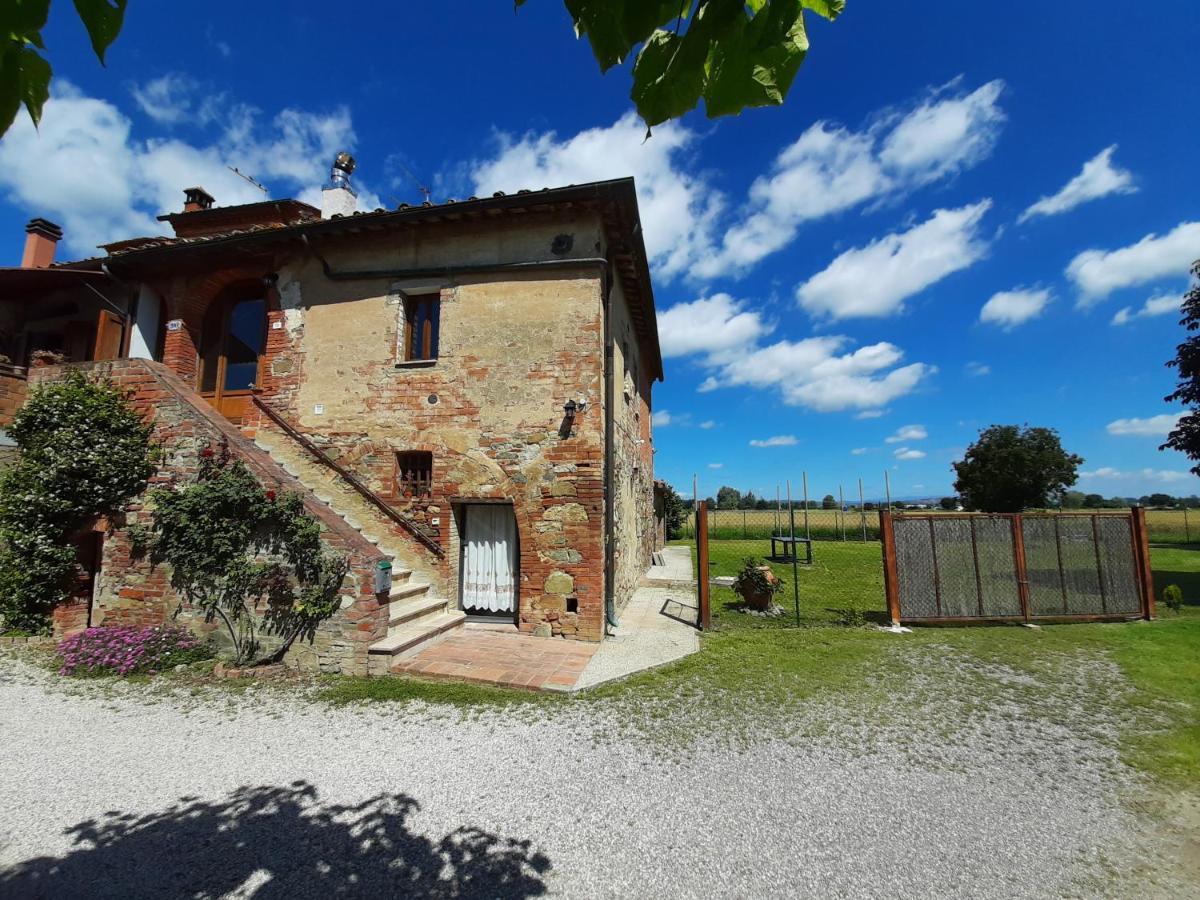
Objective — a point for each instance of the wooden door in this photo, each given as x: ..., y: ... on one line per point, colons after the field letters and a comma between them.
x: 110, y: 335
x: 235, y: 335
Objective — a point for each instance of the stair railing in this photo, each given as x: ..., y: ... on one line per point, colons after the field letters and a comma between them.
x: 365, y: 492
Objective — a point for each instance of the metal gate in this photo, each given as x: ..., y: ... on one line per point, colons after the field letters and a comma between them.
x: 971, y: 567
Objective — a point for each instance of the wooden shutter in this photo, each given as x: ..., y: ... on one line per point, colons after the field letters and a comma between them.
x: 110, y: 335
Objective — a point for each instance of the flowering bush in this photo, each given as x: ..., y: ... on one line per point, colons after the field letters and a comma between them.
x: 84, y: 452
x: 129, y: 651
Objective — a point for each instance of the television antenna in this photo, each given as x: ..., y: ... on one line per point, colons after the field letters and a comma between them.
x: 241, y: 174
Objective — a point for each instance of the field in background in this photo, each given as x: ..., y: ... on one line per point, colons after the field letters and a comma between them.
x: 1167, y: 526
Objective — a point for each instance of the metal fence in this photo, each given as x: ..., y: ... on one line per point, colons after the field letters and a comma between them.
x: 821, y: 579
x: 1032, y: 567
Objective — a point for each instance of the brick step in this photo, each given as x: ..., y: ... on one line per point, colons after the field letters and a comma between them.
x: 406, y: 637
x: 406, y: 611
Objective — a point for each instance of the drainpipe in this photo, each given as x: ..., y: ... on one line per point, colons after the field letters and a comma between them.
x: 610, y: 606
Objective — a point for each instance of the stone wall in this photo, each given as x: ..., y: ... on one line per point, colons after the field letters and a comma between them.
x: 131, y: 592
x: 633, y: 457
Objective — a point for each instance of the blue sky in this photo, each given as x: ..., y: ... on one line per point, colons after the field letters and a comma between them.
x: 933, y: 235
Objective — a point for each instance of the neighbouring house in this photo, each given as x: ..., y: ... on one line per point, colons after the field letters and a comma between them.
x: 462, y: 390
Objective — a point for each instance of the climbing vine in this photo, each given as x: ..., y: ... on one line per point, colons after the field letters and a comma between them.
x: 84, y: 452
x: 235, y: 548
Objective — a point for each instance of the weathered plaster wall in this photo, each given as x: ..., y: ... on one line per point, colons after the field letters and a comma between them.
x: 514, y: 347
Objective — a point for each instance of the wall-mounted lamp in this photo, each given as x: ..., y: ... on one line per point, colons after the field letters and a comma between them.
x: 571, y: 408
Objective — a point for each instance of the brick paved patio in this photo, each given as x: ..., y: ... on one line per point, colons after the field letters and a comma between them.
x: 509, y: 660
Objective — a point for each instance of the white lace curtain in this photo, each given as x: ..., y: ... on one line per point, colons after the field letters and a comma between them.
x: 490, y: 561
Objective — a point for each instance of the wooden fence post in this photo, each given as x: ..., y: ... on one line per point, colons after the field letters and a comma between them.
x: 1141, y: 555
x: 891, y: 584
x: 704, y: 614
x: 1018, y: 537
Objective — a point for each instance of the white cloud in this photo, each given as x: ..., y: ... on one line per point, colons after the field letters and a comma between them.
x: 945, y: 134
x: 859, y: 451
x: 1099, y: 178
x: 716, y: 465
x: 1154, y: 426
x: 875, y: 280
x: 707, y: 425
x: 677, y: 207
x: 816, y: 373
x: 908, y: 433
x: 871, y: 414
x: 1159, y: 305
x: 1097, y: 273
x: 1009, y: 309
x: 103, y: 184
x: 1158, y: 476
x: 168, y: 99
x: 709, y: 325
x: 908, y: 453
x: 661, y: 418
x: 830, y: 169
x: 978, y: 369
x: 780, y: 440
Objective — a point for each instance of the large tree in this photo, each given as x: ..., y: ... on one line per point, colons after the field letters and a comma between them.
x: 733, y: 54
x: 1010, y: 468
x: 24, y: 72
x: 728, y: 498
x: 1185, y: 437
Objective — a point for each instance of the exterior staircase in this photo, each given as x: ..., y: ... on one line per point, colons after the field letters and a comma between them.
x: 417, y: 615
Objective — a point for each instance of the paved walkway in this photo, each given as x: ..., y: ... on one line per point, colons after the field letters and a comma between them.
x: 656, y: 627
x: 508, y: 660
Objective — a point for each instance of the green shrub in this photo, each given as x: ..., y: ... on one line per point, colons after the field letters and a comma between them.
x: 84, y: 452
x: 1172, y: 598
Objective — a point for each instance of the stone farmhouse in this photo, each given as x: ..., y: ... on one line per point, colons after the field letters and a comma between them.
x: 461, y: 390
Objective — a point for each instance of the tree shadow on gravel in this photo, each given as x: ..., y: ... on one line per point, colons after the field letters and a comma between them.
x: 278, y: 842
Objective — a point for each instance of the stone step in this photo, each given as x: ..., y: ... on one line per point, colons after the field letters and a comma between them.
x: 406, y: 611
x: 407, y: 590
x: 406, y: 637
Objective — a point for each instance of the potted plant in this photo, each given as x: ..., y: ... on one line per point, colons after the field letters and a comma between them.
x: 757, y: 585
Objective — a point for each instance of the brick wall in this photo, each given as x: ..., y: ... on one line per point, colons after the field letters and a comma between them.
x: 130, y: 592
x: 13, y: 385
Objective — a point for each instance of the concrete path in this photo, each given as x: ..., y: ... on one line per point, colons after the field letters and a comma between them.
x: 656, y: 626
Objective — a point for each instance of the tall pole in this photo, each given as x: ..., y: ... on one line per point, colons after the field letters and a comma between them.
x: 807, y: 533
x: 1187, y: 529
x: 778, y: 508
x: 842, y: 511
x: 887, y: 488
x: 862, y: 510
x: 795, y: 554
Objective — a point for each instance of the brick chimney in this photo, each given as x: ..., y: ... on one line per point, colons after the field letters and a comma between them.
x: 41, y: 240
x: 196, y: 199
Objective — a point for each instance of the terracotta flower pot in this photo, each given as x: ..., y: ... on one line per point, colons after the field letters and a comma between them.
x: 760, y: 601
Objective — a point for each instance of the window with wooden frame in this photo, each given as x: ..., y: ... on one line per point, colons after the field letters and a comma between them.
x: 414, y: 473
x: 422, y: 313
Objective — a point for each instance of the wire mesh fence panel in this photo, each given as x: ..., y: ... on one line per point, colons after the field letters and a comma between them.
x: 958, y: 585
x: 1118, y: 567
x: 1043, y: 566
x: 997, y: 566
x: 915, y: 565
x: 1080, y: 566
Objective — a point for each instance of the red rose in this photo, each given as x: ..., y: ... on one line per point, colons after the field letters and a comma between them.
x: 271, y: 496
x: 206, y: 453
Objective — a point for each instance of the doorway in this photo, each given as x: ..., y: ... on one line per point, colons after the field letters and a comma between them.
x: 490, y: 560
x: 231, y: 346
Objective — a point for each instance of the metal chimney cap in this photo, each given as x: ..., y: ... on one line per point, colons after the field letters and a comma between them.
x: 345, y: 162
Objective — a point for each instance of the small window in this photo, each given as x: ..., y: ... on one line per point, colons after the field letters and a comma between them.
x: 421, y: 315
x: 414, y: 473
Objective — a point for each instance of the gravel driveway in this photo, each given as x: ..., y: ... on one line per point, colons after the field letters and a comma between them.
x: 111, y: 792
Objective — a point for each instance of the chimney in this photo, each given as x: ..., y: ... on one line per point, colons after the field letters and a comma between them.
x: 337, y: 197
x: 41, y: 240
x: 196, y: 199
